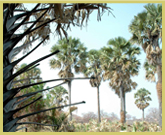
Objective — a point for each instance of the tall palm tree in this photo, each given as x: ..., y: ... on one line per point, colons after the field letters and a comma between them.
x: 72, y: 56
x: 16, y: 29
x: 119, y: 64
x: 94, y: 69
x: 146, y: 28
x: 142, y: 98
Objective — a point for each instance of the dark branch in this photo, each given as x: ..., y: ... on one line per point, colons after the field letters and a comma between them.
x: 25, y: 68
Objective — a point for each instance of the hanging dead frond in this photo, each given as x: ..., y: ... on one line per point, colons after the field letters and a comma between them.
x: 70, y: 74
x: 145, y: 45
x: 61, y: 74
x: 83, y: 17
x: 77, y: 69
x: 78, y: 15
x: 58, y: 11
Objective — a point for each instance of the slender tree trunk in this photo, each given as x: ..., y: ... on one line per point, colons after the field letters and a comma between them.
x: 124, y: 107
x: 69, y: 86
x: 98, y: 103
x: 122, y: 112
x: 159, y: 92
x: 142, y: 114
x: 159, y: 82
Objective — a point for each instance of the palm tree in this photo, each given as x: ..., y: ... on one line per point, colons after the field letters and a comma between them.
x: 146, y: 28
x: 119, y: 64
x: 141, y: 99
x: 94, y: 69
x: 72, y: 56
x: 59, y: 96
x: 16, y: 29
x: 28, y: 76
x: 56, y: 97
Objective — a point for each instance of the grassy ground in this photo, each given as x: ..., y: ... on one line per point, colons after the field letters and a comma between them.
x: 104, y: 126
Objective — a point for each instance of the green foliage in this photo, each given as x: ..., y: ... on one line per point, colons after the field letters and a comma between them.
x: 140, y: 127
x: 72, y: 56
x: 31, y: 76
x: 52, y: 97
x: 134, y: 128
x: 146, y: 29
x: 123, y: 127
x: 119, y: 62
x: 142, y: 97
x: 56, y: 96
x: 93, y: 67
x: 54, y: 119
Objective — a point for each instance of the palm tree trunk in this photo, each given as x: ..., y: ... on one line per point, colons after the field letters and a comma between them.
x: 69, y: 86
x: 98, y: 103
x: 122, y: 112
x: 142, y: 114
x: 124, y: 108
x: 159, y: 92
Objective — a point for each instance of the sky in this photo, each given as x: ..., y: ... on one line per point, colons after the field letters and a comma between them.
x: 95, y: 36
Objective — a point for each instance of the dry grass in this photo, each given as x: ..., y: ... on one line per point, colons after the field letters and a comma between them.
x: 104, y: 126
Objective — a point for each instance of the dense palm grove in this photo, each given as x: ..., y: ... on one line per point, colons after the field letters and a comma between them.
x: 26, y: 101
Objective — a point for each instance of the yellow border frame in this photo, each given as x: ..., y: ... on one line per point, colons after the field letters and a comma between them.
x: 74, y: 1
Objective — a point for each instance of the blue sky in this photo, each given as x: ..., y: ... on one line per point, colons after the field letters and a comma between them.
x: 95, y: 36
